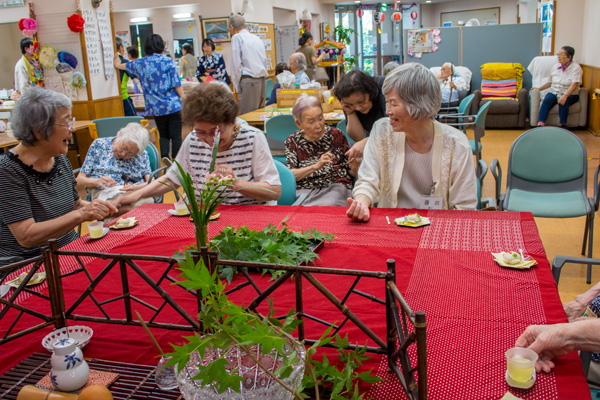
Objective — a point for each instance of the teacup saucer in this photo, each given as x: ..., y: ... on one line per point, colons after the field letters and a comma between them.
x: 174, y: 212
x: 104, y: 232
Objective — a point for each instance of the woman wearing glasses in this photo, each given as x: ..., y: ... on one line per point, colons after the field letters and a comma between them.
x: 39, y: 198
x: 564, y: 82
x: 243, y: 152
x: 120, y: 160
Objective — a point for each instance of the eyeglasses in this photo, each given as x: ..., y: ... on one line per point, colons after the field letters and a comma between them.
x: 212, y: 132
x: 69, y: 124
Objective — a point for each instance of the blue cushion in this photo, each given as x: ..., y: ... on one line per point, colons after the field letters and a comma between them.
x: 549, y: 205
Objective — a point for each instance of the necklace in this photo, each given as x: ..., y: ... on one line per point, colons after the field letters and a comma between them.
x: 236, y: 131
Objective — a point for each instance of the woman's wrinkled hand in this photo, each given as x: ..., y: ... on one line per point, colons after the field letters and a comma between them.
x: 549, y: 341
x: 356, y: 151
x: 97, y: 209
x: 326, y: 158
x: 574, y: 309
x: 105, y: 182
x: 358, y: 211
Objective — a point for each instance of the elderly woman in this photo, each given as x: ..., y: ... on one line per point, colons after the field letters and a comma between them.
x: 121, y: 160
x: 316, y: 154
x: 565, y: 79
x: 162, y: 91
x: 211, y: 63
x: 297, y: 64
x: 410, y: 158
x: 243, y: 152
x: 363, y: 103
x: 39, y: 199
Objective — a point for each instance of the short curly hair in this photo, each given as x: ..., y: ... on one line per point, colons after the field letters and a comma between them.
x: 209, y: 102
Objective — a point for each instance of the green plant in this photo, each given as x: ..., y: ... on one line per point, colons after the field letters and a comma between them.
x: 226, y: 324
x: 344, y: 35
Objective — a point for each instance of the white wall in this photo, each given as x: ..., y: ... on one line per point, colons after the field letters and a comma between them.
x: 569, y: 25
x: 431, y: 12
x: 589, y: 54
x: 10, y: 54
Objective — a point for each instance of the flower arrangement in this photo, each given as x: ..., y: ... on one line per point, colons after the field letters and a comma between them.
x: 75, y: 23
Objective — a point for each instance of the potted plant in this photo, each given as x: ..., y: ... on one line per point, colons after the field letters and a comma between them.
x: 344, y: 35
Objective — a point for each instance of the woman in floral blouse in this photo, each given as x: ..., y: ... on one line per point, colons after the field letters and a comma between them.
x: 120, y: 160
x: 212, y: 64
x: 162, y: 91
x: 316, y: 154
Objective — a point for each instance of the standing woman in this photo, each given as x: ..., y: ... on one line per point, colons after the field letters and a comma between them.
x: 565, y: 78
x: 306, y: 47
x: 188, y: 62
x: 162, y: 91
x: 211, y: 63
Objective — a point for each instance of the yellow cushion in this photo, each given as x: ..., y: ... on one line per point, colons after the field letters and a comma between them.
x: 498, y: 74
x: 518, y: 68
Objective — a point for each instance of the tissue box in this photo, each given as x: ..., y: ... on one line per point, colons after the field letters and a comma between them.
x: 287, y: 97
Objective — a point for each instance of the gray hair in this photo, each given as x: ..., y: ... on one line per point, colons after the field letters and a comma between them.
x: 389, y: 67
x: 303, y: 102
x: 134, y: 133
x: 237, y: 22
x: 300, y: 58
x: 36, y: 112
x: 417, y: 88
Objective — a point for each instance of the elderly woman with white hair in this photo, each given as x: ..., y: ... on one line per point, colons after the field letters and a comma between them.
x: 39, y: 198
x: 119, y: 160
x: 316, y: 154
x: 297, y: 66
x: 411, y: 159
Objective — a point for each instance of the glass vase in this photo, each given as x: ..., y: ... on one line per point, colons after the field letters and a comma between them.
x: 201, y: 236
x: 257, y: 383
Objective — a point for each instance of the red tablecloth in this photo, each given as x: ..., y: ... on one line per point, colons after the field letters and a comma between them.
x: 475, y: 309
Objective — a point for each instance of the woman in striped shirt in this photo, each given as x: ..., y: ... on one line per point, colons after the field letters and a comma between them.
x: 39, y: 199
x: 243, y: 152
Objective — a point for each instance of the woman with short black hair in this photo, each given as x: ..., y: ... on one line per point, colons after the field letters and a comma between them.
x: 212, y: 64
x: 162, y: 91
x: 306, y: 42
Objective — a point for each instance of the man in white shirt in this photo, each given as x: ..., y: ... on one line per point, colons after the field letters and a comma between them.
x: 297, y: 66
x: 22, y: 80
x: 249, y: 65
x: 450, y: 84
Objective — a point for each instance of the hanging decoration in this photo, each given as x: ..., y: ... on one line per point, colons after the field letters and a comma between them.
x: 378, y: 17
x: 397, y: 17
x: 78, y: 80
x: 75, y: 23
x: 47, y: 56
x: 28, y: 26
x: 359, y: 13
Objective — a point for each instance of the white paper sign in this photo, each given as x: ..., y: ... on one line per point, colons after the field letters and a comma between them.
x: 92, y: 42
x: 107, y: 45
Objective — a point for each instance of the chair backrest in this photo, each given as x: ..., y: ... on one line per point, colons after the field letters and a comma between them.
x: 288, y: 185
x: 547, y: 154
x: 154, y: 156
x: 107, y: 127
x: 482, y: 114
x: 280, y: 126
x: 464, y: 107
x: 342, y: 127
x: 547, y: 160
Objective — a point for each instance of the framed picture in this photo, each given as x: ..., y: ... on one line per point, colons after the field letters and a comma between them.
x: 216, y: 29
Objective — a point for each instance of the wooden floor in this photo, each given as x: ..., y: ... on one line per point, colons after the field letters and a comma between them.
x: 559, y: 236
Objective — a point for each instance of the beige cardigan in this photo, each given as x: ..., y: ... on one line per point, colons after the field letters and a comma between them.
x: 380, y: 173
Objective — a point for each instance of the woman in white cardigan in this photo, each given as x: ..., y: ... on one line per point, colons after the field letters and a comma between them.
x: 411, y: 158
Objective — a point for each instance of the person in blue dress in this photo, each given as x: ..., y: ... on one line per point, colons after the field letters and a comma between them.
x: 211, y: 63
x: 162, y: 91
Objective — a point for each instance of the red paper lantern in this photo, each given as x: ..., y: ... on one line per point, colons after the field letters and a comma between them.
x: 397, y: 16
x: 359, y: 13
x: 75, y: 23
x: 414, y: 15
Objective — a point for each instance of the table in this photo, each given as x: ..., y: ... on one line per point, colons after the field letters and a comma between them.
x: 258, y: 117
x: 475, y: 309
x: 7, y: 140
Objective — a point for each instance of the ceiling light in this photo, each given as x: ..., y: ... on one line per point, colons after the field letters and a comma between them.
x: 428, y: 1
x: 357, y: 1
x: 182, y: 15
x: 139, y: 19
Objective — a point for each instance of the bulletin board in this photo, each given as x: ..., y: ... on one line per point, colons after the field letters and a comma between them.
x: 53, y: 31
x: 266, y: 33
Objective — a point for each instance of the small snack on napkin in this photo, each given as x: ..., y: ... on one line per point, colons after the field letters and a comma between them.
x: 124, y: 223
x: 414, y: 218
x: 511, y: 257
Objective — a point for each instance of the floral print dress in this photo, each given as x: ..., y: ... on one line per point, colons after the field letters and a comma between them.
x: 215, y: 66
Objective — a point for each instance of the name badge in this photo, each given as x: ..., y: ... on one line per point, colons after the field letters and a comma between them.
x: 430, y: 203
